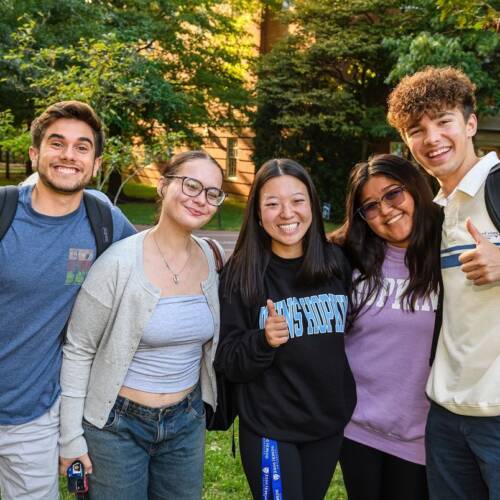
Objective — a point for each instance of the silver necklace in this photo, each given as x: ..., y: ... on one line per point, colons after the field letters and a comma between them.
x: 176, y: 277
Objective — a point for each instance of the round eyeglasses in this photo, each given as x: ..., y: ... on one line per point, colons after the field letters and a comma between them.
x: 392, y: 198
x: 193, y: 187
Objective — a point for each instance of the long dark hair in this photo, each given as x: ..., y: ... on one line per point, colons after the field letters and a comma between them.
x: 366, y: 250
x: 246, y: 267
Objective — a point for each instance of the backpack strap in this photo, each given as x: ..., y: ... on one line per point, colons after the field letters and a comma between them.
x: 439, y: 311
x: 492, y: 195
x: 101, y: 221
x: 438, y: 322
x: 8, y: 206
x: 219, y: 261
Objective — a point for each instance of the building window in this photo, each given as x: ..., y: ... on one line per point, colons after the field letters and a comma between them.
x: 232, y: 157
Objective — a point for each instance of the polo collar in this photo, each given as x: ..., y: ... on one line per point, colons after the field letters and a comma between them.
x: 472, y: 180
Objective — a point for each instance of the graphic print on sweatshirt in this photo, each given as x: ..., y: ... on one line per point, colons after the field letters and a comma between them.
x: 312, y: 315
x: 391, y: 292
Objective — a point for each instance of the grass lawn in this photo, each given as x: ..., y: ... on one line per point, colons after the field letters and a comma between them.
x: 14, y: 179
x: 224, y: 478
x: 140, y: 191
x: 139, y: 212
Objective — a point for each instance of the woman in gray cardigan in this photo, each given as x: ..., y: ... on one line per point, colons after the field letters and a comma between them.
x: 141, y: 339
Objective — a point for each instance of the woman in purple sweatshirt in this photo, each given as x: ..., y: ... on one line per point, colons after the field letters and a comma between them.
x: 391, y: 236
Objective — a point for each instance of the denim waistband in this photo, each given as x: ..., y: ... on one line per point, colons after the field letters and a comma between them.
x: 124, y: 405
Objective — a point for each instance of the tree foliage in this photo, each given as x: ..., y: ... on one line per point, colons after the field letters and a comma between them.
x: 13, y: 139
x: 442, y: 43
x: 322, y: 90
x: 161, y: 72
x: 475, y: 14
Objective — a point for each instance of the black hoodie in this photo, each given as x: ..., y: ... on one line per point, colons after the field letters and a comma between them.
x: 303, y: 390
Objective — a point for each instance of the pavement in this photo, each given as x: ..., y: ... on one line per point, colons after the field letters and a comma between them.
x: 226, y: 238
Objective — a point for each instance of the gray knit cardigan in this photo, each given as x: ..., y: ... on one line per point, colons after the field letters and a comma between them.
x: 109, y: 316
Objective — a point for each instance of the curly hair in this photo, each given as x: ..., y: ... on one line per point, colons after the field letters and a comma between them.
x: 430, y: 90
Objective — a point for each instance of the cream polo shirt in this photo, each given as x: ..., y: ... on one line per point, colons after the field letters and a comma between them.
x: 465, y: 376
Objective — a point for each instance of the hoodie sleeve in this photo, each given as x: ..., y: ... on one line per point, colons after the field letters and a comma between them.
x: 243, y: 352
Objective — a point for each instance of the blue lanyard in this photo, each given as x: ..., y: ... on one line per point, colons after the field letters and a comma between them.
x: 271, y: 474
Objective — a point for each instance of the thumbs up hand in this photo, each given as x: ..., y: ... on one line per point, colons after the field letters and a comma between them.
x: 482, y: 264
x: 276, y: 327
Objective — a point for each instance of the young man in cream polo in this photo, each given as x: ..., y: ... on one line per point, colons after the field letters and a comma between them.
x: 434, y: 111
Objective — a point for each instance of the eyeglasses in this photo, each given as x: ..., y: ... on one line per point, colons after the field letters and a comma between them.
x: 193, y: 187
x: 392, y: 198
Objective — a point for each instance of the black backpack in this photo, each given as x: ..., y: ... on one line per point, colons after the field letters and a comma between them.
x: 98, y: 212
x: 492, y: 195
x: 492, y: 199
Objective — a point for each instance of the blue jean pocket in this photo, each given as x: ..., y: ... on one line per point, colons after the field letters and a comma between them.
x: 113, y: 419
x: 111, y: 422
x: 197, y: 408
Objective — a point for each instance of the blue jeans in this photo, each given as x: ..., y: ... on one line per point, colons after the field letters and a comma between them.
x: 148, y: 453
x: 463, y: 456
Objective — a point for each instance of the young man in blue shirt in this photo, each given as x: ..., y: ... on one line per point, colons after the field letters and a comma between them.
x: 44, y: 257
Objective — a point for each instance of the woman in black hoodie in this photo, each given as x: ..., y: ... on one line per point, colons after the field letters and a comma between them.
x: 284, y: 296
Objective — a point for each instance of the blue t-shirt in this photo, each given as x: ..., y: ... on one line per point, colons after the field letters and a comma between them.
x: 43, y: 262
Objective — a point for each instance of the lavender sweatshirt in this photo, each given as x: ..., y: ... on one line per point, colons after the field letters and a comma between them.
x: 388, y: 350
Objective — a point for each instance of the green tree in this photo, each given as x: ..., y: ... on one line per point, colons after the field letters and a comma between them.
x: 322, y: 89
x: 475, y: 14
x: 444, y: 43
x: 158, y: 72
x: 14, y: 140
x: 59, y: 22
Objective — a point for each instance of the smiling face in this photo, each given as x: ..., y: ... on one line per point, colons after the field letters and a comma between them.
x: 392, y: 224
x: 442, y: 144
x: 66, y: 158
x: 190, y: 212
x: 285, y: 214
